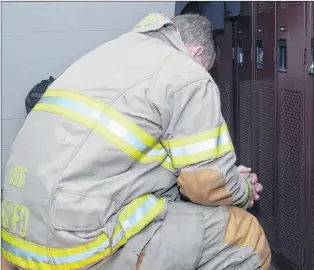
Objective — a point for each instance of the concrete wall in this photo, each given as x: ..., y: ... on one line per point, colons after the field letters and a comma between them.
x: 42, y: 39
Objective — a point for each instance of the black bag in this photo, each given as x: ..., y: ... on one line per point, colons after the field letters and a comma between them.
x: 36, y: 93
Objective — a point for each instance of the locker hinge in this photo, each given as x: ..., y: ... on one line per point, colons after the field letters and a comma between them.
x: 275, y: 55
x: 302, y: 257
x: 233, y: 53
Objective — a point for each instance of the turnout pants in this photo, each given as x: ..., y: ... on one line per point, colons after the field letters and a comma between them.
x: 195, y: 237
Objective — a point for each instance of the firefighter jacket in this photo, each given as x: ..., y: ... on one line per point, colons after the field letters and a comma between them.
x: 105, y: 148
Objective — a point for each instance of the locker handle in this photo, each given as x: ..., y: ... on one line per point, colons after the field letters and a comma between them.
x: 282, y: 55
x: 240, y: 55
x: 259, y: 54
x: 311, y: 68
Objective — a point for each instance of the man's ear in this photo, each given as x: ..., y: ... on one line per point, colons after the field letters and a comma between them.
x: 197, y: 51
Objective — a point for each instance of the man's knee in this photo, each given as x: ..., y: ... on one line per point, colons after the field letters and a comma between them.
x: 244, y: 231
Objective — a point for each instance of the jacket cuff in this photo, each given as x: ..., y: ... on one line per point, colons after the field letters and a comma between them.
x: 246, y: 177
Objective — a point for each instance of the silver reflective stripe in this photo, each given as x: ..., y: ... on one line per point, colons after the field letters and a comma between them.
x: 117, y: 238
x: 205, y: 145
x: 105, y: 121
x: 28, y: 255
x: 224, y: 138
x: 155, y: 152
x: 126, y: 225
x: 169, y: 159
x: 139, y: 213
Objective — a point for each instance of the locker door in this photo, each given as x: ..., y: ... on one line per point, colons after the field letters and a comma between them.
x: 265, y: 87
x: 223, y: 75
x: 244, y: 145
x: 310, y: 134
x: 290, y: 111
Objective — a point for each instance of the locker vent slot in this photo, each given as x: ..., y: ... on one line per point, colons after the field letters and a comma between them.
x: 291, y: 4
x: 265, y: 6
x: 245, y: 92
x: 290, y: 171
x: 245, y: 8
x: 266, y: 155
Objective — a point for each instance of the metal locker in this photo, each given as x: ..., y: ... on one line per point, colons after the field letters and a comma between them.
x: 266, y: 97
x: 309, y: 136
x: 290, y: 127
x: 244, y: 119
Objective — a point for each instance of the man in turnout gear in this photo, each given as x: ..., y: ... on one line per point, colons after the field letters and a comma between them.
x: 92, y: 178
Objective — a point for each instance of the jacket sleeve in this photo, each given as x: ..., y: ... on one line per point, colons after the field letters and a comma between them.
x: 198, y: 142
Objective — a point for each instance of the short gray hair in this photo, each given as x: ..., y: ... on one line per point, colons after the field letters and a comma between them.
x: 196, y: 29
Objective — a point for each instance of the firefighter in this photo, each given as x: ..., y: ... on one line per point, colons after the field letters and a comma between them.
x: 92, y: 178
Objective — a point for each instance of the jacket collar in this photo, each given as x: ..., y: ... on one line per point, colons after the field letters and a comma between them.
x: 159, y: 26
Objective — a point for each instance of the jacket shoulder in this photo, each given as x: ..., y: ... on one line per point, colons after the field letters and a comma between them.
x: 177, y: 71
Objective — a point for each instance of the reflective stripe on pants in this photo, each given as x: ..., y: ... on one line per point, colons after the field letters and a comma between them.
x: 132, y: 219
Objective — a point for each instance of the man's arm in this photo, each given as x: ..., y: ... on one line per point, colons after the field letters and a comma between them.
x: 198, y: 142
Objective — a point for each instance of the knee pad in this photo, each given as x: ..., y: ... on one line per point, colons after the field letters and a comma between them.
x: 244, y: 231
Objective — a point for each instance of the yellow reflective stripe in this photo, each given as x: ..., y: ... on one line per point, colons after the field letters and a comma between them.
x: 249, y: 190
x: 131, y: 126
x: 148, y: 218
x: 167, y: 164
x: 23, y: 263
x: 118, y: 229
x: 202, y: 156
x: 65, y: 112
x: 199, y: 147
x: 29, y: 264
x: 159, y: 154
x: 184, y: 141
x: 18, y: 242
x: 94, y: 124
x: 105, y: 133
x: 90, y: 102
x: 108, y: 123
x: 106, y: 109
x: 132, y: 219
x: 51, y: 254
x: 131, y: 207
x: 161, y: 157
x: 144, y: 210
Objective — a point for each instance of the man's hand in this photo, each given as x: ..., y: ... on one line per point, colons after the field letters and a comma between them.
x: 256, y: 187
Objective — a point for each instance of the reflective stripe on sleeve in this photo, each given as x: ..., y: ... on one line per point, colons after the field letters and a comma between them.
x: 200, y: 147
x: 132, y: 219
x: 249, y: 191
x: 107, y: 122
